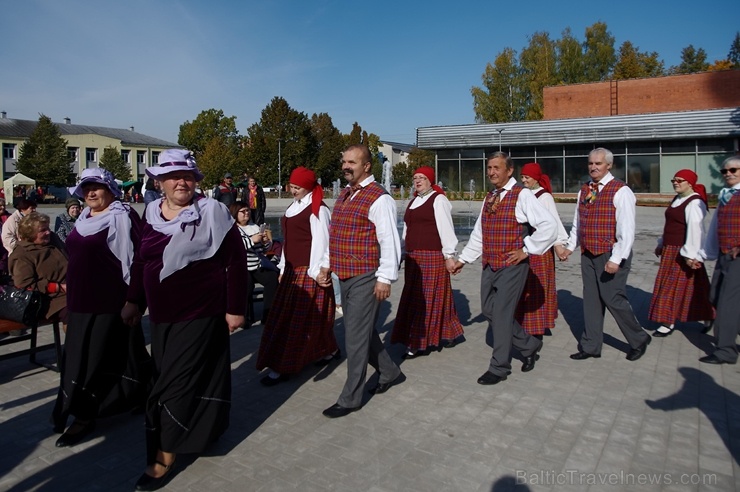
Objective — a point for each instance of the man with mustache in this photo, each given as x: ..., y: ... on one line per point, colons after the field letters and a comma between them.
x: 364, y: 252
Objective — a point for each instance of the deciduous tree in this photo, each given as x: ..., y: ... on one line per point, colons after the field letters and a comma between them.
x: 569, y: 68
x: 538, y: 64
x: 113, y: 162
x: 692, y: 61
x: 633, y: 63
x: 734, y: 54
x: 330, y: 143
x: 217, y: 158
x: 44, y: 157
x: 501, y: 96
x: 208, y: 124
x: 599, y: 55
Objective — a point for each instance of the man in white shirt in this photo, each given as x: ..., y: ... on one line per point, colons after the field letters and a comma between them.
x: 604, y: 226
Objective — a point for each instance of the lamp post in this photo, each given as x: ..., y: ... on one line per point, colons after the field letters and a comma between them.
x: 280, y: 165
x: 500, y: 130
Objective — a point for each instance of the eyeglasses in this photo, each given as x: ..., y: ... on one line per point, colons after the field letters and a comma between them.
x: 678, y: 181
x: 244, y: 211
x: 731, y: 170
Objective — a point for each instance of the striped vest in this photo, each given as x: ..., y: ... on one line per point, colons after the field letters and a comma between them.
x: 674, y: 231
x: 728, y: 224
x: 500, y: 230
x: 597, y: 221
x: 421, y: 227
x: 353, y: 243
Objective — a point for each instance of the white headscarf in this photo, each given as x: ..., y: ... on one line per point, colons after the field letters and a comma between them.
x: 196, y: 233
x: 118, y: 222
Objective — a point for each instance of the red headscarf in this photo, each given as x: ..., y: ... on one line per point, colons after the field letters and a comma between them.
x: 691, y: 177
x: 534, y: 171
x: 305, y: 178
x: 429, y: 173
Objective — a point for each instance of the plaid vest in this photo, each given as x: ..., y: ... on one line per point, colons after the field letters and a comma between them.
x: 728, y: 224
x: 421, y: 227
x: 674, y: 231
x: 353, y: 243
x: 500, y: 230
x: 597, y: 221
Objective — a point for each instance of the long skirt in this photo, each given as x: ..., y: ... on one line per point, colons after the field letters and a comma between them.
x: 188, y: 407
x: 105, y: 368
x: 426, y: 313
x: 680, y: 293
x: 300, y: 327
x: 538, y: 306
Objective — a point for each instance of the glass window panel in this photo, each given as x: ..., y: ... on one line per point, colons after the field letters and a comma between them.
x: 549, y: 151
x: 553, y: 167
x: 644, y: 173
x: 716, y: 145
x: 617, y: 148
x: 448, y: 154
x: 474, y: 169
x: 652, y: 147
x: 448, y: 172
x: 576, y: 173
x: 523, y: 152
x: 707, y: 168
x: 472, y: 154
x: 670, y: 165
x: 619, y: 169
x: 678, y: 147
x: 578, y: 149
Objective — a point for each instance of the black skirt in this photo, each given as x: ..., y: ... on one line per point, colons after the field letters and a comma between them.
x: 105, y: 368
x: 188, y: 407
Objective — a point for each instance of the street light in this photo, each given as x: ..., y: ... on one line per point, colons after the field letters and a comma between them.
x: 500, y: 130
x: 280, y: 165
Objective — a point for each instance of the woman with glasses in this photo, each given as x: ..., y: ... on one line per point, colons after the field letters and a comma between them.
x: 427, y: 318
x: 681, y: 291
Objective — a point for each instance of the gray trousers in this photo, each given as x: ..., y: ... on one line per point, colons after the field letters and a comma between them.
x: 499, y: 294
x: 726, y: 298
x: 603, y: 290
x: 361, y: 340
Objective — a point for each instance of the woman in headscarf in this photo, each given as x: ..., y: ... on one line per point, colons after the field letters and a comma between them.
x: 191, y: 269
x: 427, y: 319
x: 301, y: 329
x: 538, y: 306
x: 66, y: 221
x: 681, y: 291
x: 105, y: 366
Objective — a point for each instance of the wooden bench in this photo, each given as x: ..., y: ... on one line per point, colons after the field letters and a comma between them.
x: 32, y: 336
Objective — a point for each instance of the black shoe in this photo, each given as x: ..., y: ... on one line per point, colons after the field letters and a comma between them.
x: 490, y: 378
x: 414, y: 355
x: 707, y: 328
x: 662, y: 334
x: 337, y: 410
x: 450, y: 343
x: 383, y: 387
x: 70, y: 439
x: 268, y: 381
x: 531, y: 359
x: 638, y: 352
x: 712, y: 359
x: 325, y: 362
x: 148, y: 482
x: 581, y: 355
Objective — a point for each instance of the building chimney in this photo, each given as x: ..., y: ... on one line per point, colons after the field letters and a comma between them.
x: 131, y: 128
x: 67, y: 121
x: 3, y: 114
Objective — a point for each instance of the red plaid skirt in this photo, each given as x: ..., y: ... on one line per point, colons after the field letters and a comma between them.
x: 300, y: 326
x: 426, y: 313
x: 680, y: 293
x: 538, y: 306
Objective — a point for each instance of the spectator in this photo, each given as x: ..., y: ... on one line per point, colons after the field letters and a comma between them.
x: 66, y: 220
x: 256, y: 201
x: 225, y: 192
x: 10, y: 226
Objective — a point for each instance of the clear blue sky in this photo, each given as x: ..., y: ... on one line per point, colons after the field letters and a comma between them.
x: 391, y: 66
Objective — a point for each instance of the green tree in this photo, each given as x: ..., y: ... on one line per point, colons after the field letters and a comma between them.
x: 734, y: 54
x: 538, y: 64
x: 599, y: 55
x: 419, y: 158
x: 44, y: 157
x: 219, y: 157
x: 633, y: 63
x: 113, y: 162
x: 569, y: 58
x: 692, y: 61
x: 402, y: 175
x: 282, y: 136
x: 208, y: 124
x: 330, y: 143
x: 501, y: 97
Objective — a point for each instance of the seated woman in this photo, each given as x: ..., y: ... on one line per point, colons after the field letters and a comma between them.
x: 39, y: 262
x: 261, y: 269
x: 10, y: 225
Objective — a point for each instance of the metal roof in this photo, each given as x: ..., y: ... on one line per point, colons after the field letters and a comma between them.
x: 13, y: 128
x: 677, y: 125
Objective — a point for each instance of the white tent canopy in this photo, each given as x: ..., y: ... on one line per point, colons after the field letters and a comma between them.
x: 17, y: 180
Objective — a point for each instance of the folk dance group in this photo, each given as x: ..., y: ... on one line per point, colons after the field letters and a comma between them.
x: 187, y: 262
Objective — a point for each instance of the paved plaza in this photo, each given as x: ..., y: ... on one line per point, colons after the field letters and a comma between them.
x: 665, y: 422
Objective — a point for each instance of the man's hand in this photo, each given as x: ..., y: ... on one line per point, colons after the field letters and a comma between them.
x: 559, y: 250
x: 130, y: 314
x: 382, y: 291
x: 456, y: 267
x: 324, y: 277
x: 611, y: 267
x: 565, y: 254
x: 515, y: 256
x: 734, y: 252
x: 234, y: 321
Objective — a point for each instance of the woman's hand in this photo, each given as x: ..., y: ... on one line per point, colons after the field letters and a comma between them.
x: 257, y: 238
x: 131, y: 314
x: 234, y: 321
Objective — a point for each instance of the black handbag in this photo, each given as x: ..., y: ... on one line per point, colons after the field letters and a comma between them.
x: 20, y: 305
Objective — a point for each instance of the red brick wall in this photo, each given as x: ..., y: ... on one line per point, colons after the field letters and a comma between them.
x: 707, y: 90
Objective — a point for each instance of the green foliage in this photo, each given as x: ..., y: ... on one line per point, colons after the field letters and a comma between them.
x: 734, y: 54
x: 419, y: 158
x: 538, y: 66
x: 330, y: 143
x: 599, y: 55
x: 208, y: 124
x: 113, y: 162
x: 692, y: 61
x: 403, y: 174
x: 501, y: 97
x: 44, y: 157
x: 633, y: 63
x: 218, y: 157
x: 569, y: 59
